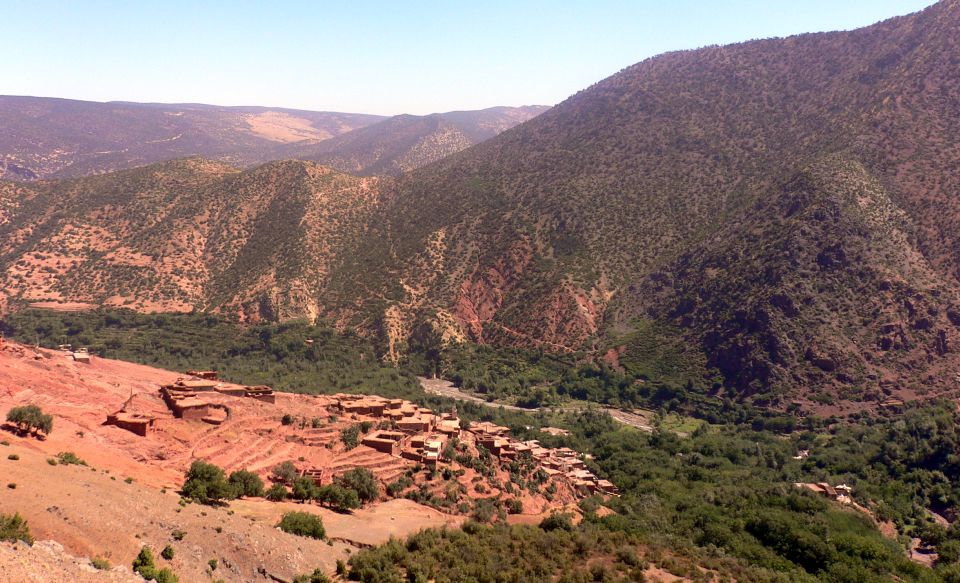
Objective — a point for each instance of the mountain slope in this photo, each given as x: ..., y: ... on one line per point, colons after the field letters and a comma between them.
x: 59, y: 138
x: 545, y: 235
x: 181, y: 235
x: 406, y: 142
x: 52, y: 138
x: 782, y: 211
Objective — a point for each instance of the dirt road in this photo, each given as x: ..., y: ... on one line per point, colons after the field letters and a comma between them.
x: 638, y: 418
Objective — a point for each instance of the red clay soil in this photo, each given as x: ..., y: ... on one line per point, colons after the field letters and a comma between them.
x: 96, y: 512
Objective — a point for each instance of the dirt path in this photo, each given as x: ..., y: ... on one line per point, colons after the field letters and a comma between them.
x: 638, y: 419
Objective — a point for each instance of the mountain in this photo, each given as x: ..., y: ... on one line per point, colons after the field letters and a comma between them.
x: 779, y: 213
x: 59, y: 138
x: 182, y: 234
x: 406, y: 142
x: 53, y: 138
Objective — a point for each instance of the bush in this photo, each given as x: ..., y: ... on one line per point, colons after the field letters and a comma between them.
x: 13, y: 457
x: 144, y: 564
x: 206, y: 484
x: 287, y: 419
x: 69, y: 458
x: 317, y: 576
x: 350, y: 436
x: 100, y: 563
x: 167, y: 552
x: 178, y: 535
x: 302, y: 524
x: 246, y: 483
x: 212, y: 564
x: 13, y: 528
x: 277, y: 493
x: 514, y: 506
x: 557, y: 520
x: 165, y: 575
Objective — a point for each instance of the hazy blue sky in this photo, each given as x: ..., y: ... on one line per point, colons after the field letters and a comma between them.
x: 378, y: 57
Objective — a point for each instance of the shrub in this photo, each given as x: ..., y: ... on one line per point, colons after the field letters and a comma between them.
x: 144, y: 564
x: 69, y: 458
x: 100, y: 563
x: 302, y: 524
x: 165, y: 575
x: 13, y: 528
x: 277, y: 493
x: 178, y: 535
x: 246, y: 483
x: 287, y: 419
x: 12, y: 486
x: 213, y: 564
x: 206, y: 484
x: 514, y: 506
x: 350, y: 436
x: 557, y: 520
x: 167, y: 552
x: 317, y: 576
x: 51, y: 461
x: 13, y: 457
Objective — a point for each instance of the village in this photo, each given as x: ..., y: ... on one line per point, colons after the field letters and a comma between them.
x: 396, y: 429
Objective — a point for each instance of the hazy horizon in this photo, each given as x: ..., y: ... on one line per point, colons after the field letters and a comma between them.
x: 377, y: 58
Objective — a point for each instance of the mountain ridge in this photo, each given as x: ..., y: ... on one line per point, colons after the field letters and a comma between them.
x: 725, y: 202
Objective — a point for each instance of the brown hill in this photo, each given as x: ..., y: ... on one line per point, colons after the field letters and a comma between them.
x: 779, y: 213
x: 51, y: 138
x: 183, y: 234
x: 125, y: 495
x: 781, y: 208
x: 406, y: 142
x: 59, y: 138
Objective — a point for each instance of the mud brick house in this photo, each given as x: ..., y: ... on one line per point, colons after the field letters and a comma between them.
x: 388, y: 442
x: 138, y: 423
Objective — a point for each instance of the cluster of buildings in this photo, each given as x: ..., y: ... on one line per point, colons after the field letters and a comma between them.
x: 190, y: 398
x: 415, y: 433
x: 421, y: 435
x: 560, y: 462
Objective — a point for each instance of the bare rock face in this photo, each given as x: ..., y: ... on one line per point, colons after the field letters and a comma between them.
x: 47, y: 561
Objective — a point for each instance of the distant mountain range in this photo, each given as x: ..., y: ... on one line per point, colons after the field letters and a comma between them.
x: 773, y: 220
x: 406, y: 142
x: 57, y: 138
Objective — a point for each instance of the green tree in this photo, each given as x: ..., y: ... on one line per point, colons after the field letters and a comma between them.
x: 362, y: 481
x: 338, y: 497
x: 206, y: 484
x: 246, y: 483
x: 30, y: 418
x: 285, y: 472
x: 304, y: 489
x: 277, y: 493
